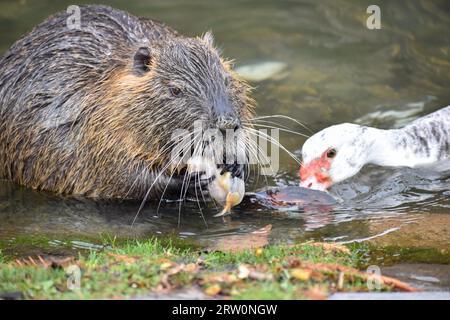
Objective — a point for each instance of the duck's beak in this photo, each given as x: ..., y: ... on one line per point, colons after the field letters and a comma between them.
x: 312, y: 183
x: 315, y: 175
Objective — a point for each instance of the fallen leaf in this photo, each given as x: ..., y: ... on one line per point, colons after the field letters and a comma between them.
x: 331, y: 247
x: 246, y: 271
x: 219, y: 277
x: 258, y: 252
x: 260, y: 276
x: 46, y: 262
x: 177, y: 268
x: 190, y: 267
x: 317, y: 276
x: 213, y: 290
x: 170, y: 270
x: 328, y: 267
x: 294, y: 262
x: 165, y: 264
x: 316, y: 293
x: 123, y: 258
x: 234, y: 291
x: 301, y: 274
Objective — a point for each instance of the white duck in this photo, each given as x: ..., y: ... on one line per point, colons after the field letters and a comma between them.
x: 340, y: 151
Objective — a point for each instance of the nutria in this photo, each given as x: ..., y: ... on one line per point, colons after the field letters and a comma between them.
x: 90, y: 110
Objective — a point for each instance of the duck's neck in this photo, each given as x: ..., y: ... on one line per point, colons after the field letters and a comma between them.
x: 396, y: 148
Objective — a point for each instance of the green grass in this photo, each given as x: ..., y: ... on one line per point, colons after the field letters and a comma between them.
x: 127, y: 269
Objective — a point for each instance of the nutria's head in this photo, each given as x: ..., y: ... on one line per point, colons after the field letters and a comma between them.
x: 185, y: 79
x: 166, y: 86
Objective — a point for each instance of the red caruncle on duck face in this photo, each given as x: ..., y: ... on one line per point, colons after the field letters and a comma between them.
x: 315, y: 174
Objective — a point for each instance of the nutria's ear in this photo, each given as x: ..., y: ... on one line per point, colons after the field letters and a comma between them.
x: 208, y: 38
x: 141, y: 61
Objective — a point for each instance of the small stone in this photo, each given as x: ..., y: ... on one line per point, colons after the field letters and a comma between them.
x: 244, y: 271
x: 261, y: 71
x: 165, y: 265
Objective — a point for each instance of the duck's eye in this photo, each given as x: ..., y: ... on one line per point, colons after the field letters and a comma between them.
x: 331, y: 153
x: 175, y: 91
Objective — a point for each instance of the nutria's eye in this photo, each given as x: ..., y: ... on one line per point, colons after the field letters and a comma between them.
x: 176, y: 92
x: 331, y: 153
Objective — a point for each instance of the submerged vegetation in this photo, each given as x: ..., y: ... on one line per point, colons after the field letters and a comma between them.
x: 155, y: 268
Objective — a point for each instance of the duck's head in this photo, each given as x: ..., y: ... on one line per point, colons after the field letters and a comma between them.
x: 333, y: 155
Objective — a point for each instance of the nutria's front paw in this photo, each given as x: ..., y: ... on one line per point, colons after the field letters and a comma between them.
x: 182, y: 186
x: 198, y: 185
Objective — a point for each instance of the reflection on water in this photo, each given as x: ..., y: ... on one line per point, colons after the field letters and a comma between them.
x: 337, y: 71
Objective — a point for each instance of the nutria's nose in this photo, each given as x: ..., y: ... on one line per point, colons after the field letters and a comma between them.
x: 225, y: 115
x: 228, y: 121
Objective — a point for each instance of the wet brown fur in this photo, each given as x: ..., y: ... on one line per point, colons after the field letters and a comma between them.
x: 74, y: 122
